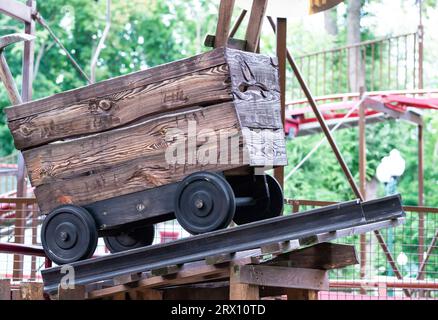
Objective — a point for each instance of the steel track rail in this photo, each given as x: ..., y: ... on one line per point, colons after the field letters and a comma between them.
x: 330, y: 219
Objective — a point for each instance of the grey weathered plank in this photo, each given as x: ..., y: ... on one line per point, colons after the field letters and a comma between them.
x: 72, y: 158
x: 283, y: 277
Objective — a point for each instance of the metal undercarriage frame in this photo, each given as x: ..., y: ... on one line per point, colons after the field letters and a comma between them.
x: 318, y: 225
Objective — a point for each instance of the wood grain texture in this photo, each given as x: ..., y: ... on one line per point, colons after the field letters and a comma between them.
x: 255, y: 24
x: 325, y: 256
x: 239, y: 290
x: 142, y: 141
x: 209, y: 86
x: 114, y: 85
x: 255, y: 88
x: 124, y: 161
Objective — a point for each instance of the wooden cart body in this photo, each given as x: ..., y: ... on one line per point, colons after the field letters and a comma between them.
x: 105, y: 146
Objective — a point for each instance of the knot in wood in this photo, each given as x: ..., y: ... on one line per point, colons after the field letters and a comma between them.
x: 105, y: 105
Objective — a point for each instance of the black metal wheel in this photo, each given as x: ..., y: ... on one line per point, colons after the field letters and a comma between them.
x: 269, y: 205
x: 134, y: 238
x: 204, y: 202
x: 69, y: 234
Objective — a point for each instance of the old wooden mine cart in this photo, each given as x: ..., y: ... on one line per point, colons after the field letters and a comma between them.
x: 184, y: 139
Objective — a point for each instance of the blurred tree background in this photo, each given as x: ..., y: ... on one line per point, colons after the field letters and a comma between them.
x: 148, y: 33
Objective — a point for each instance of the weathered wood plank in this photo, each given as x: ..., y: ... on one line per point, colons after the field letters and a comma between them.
x: 224, y: 21
x: 266, y: 147
x: 284, y: 277
x: 205, y: 87
x: 325, y: 256
x: 255, y: 88
x: 233, y: 43
x: 72, y: 158
x: 127, y: 82
x: 126, y: 165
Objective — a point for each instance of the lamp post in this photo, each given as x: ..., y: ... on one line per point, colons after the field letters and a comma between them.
x: 388, y: 172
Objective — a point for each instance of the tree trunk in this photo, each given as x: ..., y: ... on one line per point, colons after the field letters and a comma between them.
x: 330, y: 21
x: 356, y: 65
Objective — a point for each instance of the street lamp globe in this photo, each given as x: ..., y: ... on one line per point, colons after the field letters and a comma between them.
x: 398, y: 164
x: 391, y: 166
x: 383, y: 171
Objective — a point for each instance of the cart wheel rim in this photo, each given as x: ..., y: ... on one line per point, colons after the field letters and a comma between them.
x: 68, y: 234
x: 204, y: 202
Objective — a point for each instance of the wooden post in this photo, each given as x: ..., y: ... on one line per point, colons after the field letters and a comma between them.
x: 281, y: 54
x: 301, y: 294
x: 5, y: 289
x: 223, y: 24
x: 255, y: 24
x: 241, y: 291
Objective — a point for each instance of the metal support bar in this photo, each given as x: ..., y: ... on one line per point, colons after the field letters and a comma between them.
x: 321, y: 120
x: 362, y: 181
x: 16, y: 10
x: 223, y: 23
x: 428, y: 253
x: 245, y: 237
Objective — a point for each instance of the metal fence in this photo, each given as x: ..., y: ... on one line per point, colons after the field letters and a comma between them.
x: 8, y: 175
x: 20, y: 222
x: 414, y: 252
x: 391, y: 63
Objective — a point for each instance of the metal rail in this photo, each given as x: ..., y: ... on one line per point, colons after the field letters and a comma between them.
x: 328, y: 220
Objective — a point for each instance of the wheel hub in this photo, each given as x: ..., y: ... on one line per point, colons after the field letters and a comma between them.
x: 66, y: 235
x: 201, y: 204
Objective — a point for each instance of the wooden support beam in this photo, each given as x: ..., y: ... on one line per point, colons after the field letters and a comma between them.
x: 325, y: 256
x: 281, y: 54
x: 219, y: 259
x: 255, y: 24
x: 301, y: 294
x: 16, y: 10
x: 283, y: 277
x: 239, y: 290
x: 224, y: 22
x: 232, y: 43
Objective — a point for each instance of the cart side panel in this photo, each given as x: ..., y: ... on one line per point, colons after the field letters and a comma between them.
x: 199, y: 80
x: 140, y: 157
x: 256, y: 96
